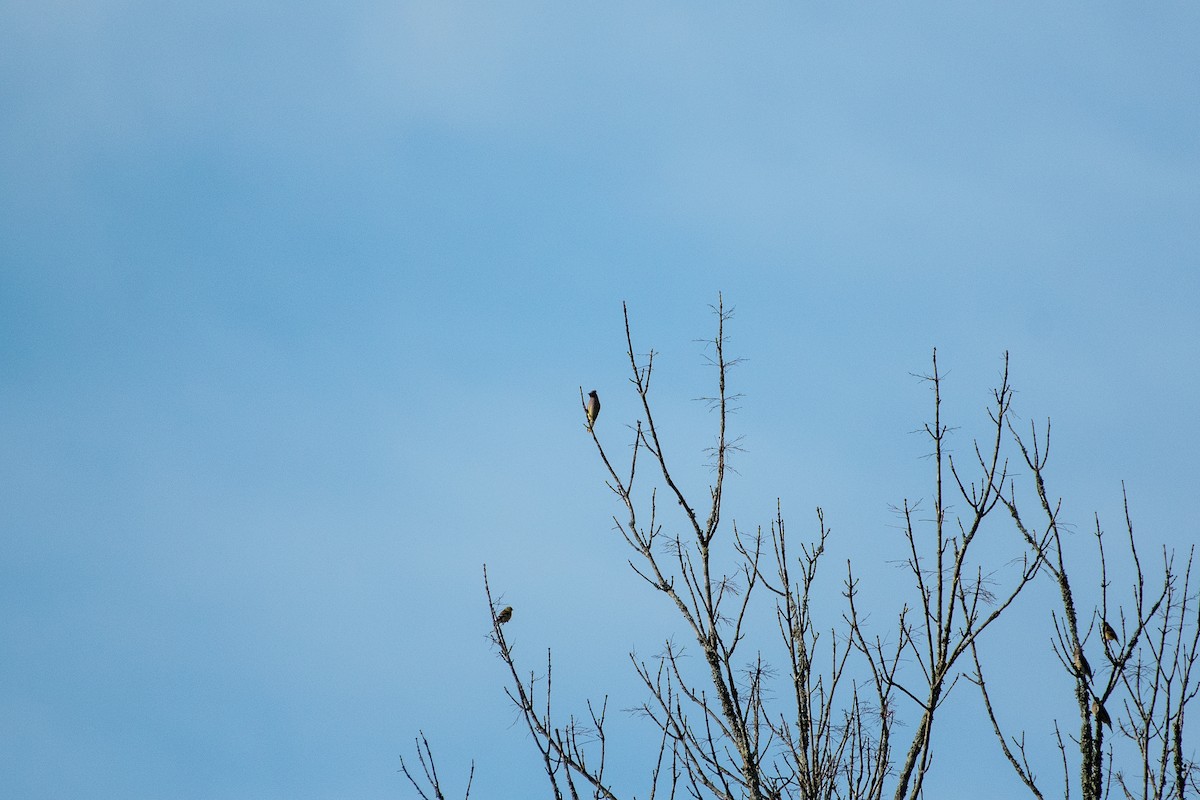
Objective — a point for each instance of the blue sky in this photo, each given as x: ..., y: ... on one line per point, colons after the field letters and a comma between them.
x: 295, y: 302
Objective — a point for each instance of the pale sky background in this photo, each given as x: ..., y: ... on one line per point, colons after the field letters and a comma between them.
x: 295, y: 301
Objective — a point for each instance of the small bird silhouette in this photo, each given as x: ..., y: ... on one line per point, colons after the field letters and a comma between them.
x: 1100, y: 714
x: 592, y: 409
x: 1107, y: 631
x: 1082, y: 667
x: 504, y: 616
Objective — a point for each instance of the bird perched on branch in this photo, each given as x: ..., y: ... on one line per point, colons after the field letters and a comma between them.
x: 504, y: 616
x: 1107, y: 631
x: 1082, y: 667
x: 1100, y: 714
x: 592, y: 409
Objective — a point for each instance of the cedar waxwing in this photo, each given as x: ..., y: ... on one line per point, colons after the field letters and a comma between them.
x: 1107, y: 632
x: 593, y: 408
x: 1101, y: 715
x: 504, y: 616
x: 1082, y: 667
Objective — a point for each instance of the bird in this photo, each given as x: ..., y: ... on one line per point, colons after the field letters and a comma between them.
x: 504, y: 616
x: 592, y: 409
x: 1082, y: 667
x: 1107, y: 631
x: 1101, y: 715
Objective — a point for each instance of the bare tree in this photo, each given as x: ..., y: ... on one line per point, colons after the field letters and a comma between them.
x: 428, y: 784
x: 1149, y: 656
x: 957, y: 601
x: 815, y: 708
x: 1160, y: 680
